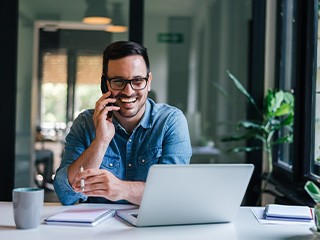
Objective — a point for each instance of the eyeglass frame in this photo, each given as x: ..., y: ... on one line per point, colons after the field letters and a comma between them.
x: 126, y: 82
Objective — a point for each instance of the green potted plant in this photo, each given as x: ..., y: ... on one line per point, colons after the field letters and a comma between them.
x: 276, y: 115
x: 314, y: 192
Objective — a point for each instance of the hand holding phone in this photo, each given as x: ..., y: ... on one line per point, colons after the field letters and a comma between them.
x: 104, y: 89
x: 109, y: 112
x: 102, y: 117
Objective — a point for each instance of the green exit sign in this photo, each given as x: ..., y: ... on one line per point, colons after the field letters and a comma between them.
x: 170, y: 37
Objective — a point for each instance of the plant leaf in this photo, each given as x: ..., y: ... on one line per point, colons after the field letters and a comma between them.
x: 244, y: 91
x: 283, y: 110
x: 313, y: 190
x: 245, y: 149
x: 250, y: 124
x: 246, y: 136
x: 284, y: 139
x: 288, y: 98
x: 279, y: 97
x: 288, y: 120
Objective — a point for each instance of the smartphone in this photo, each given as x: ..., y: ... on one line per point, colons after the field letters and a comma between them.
x: 104, y: 89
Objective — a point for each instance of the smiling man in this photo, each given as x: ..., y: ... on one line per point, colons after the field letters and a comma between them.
x: 116, y: 143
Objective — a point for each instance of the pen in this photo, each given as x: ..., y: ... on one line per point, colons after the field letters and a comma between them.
x: 82, y: 180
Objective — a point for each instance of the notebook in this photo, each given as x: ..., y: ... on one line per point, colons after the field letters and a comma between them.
x: 190, y: 194
x: 288, y: 213
x: 81, y: 216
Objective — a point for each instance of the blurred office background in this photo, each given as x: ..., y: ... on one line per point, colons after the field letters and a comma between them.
x: 191, y: 44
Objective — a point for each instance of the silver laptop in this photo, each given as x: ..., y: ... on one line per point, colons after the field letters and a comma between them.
x: 190, y: 194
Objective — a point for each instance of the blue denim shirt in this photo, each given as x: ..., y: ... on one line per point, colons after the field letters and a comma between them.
x: 161, y: 137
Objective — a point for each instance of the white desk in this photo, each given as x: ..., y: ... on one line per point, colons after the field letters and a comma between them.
x: 244, y: 227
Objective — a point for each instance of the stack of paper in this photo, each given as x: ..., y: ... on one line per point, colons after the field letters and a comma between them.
x: 287, y: 213
x: 84, y: 216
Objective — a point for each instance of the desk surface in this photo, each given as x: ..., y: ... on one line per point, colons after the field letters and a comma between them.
x: 245, y: 227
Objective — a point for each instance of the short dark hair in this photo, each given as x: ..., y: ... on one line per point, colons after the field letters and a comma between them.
x: 122, y: 49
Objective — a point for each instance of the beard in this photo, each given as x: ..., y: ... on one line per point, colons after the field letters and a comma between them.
x: 130, y: 111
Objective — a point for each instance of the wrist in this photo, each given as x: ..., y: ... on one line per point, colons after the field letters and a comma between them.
x: 101, y: 143
x: 132, y: 191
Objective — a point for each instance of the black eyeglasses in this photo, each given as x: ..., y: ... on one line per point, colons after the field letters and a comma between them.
x: 137, y: 83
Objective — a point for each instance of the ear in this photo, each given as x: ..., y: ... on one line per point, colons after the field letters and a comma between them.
x: 149, y: 82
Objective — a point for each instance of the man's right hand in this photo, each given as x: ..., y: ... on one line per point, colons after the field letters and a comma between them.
x: 105, y: 130
x: 102, y: 183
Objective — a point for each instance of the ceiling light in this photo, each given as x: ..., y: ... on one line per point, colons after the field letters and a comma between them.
x: 96, y: 12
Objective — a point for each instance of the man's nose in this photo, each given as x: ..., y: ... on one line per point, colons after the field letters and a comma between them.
x: 128, y: 89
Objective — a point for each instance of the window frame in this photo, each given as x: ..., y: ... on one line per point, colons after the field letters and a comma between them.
x: 303, y: 147
x: 310, y: 97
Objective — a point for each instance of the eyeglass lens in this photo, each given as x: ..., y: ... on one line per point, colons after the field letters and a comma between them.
x: 136, y: 83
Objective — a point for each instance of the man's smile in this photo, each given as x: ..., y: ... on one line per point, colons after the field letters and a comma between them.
x: 128, y: 100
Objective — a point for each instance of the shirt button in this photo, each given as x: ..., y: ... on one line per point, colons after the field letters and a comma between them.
x: 130, y: 165
x: 143, y: 161
x: 130, y: 140
x: 110, y: 164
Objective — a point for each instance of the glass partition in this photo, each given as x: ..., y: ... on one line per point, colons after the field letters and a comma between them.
x: 191, y: 45
x: 59, y: 69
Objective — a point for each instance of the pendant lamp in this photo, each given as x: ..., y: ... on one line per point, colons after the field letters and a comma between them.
x: 96, y: 12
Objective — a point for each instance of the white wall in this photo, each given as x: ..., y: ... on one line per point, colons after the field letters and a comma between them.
x: 221, y: 30
x: 157, y: 54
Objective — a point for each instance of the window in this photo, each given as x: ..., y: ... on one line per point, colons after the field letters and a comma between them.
x: 69, y: 73
x: 315, y: 160
x: 297, y: 40
x: 53, y: 88
x: 70, y: 66
x: 286, y: 70
x: 88, y: 76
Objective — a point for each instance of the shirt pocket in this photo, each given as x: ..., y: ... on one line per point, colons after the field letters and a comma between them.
x: 111, y: 162
x: 149, y: 157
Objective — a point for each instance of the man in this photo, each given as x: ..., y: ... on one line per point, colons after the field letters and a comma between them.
x: 116, y: 143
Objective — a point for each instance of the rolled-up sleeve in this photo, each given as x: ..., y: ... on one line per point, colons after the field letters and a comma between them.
x: 64, y: 191
x: 76, y: 143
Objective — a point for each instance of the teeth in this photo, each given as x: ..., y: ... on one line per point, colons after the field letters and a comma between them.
x: 128, y: 100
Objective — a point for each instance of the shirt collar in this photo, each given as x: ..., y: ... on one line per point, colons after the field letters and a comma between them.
x: 146, y: 121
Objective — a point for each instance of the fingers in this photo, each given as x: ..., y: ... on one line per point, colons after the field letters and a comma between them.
x: 97, y: 182
x: 89, y: 176
x: 104, y: 100
x: 91, y: 189
x: 86, y: 174
x: 105, y: 105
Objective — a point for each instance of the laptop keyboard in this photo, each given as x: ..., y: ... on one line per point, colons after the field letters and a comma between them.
x: 135, y: 215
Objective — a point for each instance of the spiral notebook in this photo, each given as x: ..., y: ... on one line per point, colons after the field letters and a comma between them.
x: 81, y: 216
